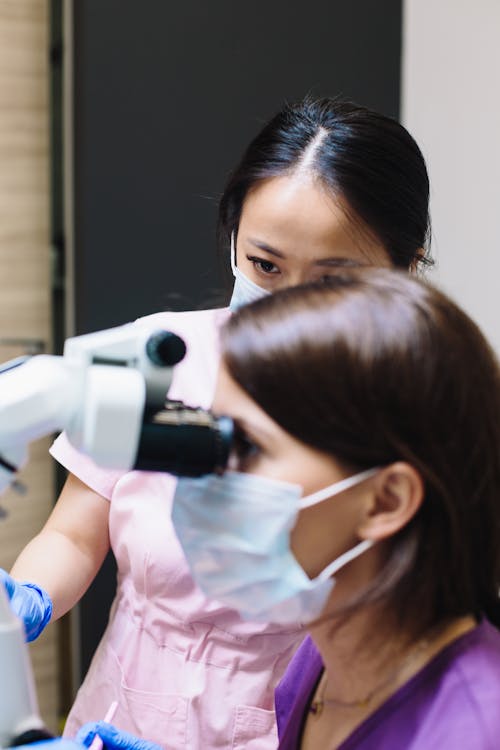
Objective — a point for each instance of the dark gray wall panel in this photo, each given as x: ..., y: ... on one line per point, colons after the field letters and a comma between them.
x: 167, y: 95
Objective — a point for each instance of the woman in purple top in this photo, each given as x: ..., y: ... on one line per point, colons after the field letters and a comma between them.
x: 363, y: 500
x: 452, y: 702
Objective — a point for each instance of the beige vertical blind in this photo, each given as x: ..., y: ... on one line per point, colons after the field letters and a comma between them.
x: 25, y: 310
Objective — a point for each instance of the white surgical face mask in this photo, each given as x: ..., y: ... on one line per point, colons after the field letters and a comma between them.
x: 244, y: 290
x: 235, y: 533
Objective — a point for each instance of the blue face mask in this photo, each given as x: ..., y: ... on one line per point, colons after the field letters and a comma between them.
x: 245, y: 290
x: 235, y: 533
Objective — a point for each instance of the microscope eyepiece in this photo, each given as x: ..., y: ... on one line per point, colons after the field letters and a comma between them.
x: 175, y: 438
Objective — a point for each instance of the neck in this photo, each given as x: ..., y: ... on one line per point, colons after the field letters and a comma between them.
x: 367, y: 655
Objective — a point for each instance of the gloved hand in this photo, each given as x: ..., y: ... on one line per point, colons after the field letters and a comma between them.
x: 30, y: 603
x: 113, y: 738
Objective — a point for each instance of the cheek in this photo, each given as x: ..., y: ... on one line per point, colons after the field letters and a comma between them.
x: 305, y: 539
x: 322, y: 533
x: 291, y: 462
x: 285, y: 465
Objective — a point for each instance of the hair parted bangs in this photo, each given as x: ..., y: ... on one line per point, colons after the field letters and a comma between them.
x: 368, y: 162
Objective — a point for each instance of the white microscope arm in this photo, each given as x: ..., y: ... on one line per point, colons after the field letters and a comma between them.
x: 97, y: 391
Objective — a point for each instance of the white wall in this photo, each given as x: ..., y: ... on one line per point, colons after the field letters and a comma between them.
x: 451, y: 105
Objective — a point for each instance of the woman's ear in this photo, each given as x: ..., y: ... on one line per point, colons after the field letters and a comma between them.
x: 398, y: 493
x: 419, y: 255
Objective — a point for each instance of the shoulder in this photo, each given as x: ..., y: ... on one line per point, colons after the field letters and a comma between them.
x: 470, y: 667
x: 190, y: 322
x: 194, y: 378
x: 454, y: 702
x: 474, y: 688
x: 99, y: 479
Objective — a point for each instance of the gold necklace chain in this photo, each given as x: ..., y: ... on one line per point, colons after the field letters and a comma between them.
x: 318, y: 704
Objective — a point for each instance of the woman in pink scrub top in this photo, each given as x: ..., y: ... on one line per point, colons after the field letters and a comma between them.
x: 325, y: 184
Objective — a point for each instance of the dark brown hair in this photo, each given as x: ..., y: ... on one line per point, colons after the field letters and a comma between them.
x: 368, y: 160
x: 372, y: 367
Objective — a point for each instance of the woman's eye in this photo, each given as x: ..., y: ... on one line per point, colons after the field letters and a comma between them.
x: 262, y: 265
x: 244, y: 449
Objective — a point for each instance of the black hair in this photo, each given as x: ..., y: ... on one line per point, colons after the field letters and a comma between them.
x: 368, y: 160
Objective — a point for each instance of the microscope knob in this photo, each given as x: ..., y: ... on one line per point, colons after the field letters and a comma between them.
x: 165, y: 348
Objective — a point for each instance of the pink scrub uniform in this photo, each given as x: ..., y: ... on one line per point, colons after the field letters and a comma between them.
x: 186, y: 672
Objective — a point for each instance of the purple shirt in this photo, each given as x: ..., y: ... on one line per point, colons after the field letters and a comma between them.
x: 453, y: 703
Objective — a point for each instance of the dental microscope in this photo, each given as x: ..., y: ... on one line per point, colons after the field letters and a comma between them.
x: 108, y: 392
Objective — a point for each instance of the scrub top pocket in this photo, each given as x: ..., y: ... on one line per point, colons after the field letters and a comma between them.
x: 158, y: 717
x: 254, y: 729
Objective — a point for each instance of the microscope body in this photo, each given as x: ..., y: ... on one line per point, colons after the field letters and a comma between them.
x: 108, y: 391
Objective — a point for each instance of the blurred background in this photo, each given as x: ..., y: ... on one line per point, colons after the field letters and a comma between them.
x: 119, y: 123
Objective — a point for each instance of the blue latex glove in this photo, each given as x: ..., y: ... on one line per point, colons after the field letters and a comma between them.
x: 113, y: 738
x: 30, y: 603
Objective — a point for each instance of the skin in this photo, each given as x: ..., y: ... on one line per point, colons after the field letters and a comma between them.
x: 376, y: 509
x: 292, y: 231
x: 69, y: 550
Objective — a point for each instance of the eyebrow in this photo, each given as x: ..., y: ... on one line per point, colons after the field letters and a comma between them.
x: 267, y: 248
x: 331, y: 262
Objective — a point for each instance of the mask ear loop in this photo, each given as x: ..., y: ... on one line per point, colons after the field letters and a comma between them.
x: 233, y: 254
x: 344, y: 484
x: 339, y: 563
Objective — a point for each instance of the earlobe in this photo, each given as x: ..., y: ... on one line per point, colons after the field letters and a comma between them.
x: 398, y: 493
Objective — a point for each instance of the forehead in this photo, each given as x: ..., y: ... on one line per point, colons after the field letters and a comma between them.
x: 298, y: 216
x: 229, y: 398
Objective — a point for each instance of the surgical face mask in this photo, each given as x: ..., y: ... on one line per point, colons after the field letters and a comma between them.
x: 235, y: 533
x: 244, y: 290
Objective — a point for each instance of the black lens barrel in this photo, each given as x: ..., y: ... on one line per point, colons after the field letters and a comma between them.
x: 185, y: 442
